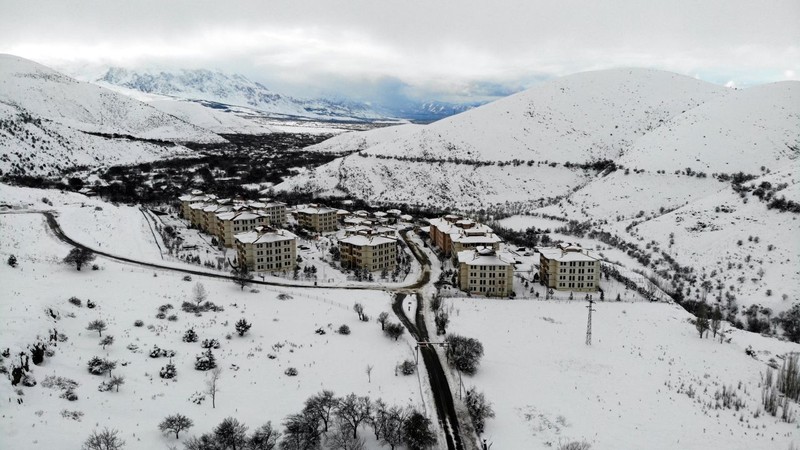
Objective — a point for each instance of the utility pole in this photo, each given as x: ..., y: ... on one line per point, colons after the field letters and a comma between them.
x: 589, y: 322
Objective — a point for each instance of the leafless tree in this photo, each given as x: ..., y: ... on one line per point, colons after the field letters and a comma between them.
x: 353, y: 410
x: 369, y: 373
x: 212, y: 384
x: 382, y: 319
x: 175, y: 424
x: 104, y: 440
x: 199, y: 293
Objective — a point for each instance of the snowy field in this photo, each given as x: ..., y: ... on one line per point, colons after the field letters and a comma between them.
x: 253, y: 387
x: 626, y: 391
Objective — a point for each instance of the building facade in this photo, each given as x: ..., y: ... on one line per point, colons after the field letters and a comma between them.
x: 569, y: 267
x: 266, y: 249
x: 452, y: 234
x: 483, y: 271
x: 318, y: 218
x: 368, y: 252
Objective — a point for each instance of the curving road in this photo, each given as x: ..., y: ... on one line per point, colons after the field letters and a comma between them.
x: 443, y: 397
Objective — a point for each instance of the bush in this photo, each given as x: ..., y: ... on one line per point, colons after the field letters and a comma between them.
x: 104, y: 440
x: 344, y: 329
x: 205, y: 361
x: 161, y: 315
x: 90, y: 304
x: 242, y: 326
x: 291, y: 371
x: 12, y: 261
x: 75, y: 301
x: 172, y: 318
x: 574, y: 445
x: 187, y: 278
x: 408, y: 367
x: 210, y: 343
x: 138, y: 323
x: 168, y: 372
x: 190, y: 335
x: 479, y: 409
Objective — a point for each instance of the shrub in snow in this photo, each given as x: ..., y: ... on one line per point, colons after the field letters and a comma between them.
x: 108, y: 340
x: 210, y: 343
x: 479, y: 409
x: 168, y: 372
x: 172, y: 318
x: 574, y: 445
x: 205, y: 361
x: 159, y: 352
x: 344, y: 329
x: 319, y: 331
x: 28, y: 380
x: 190, y: 336
x: 69, y: 394
x: 284, y: 297
x: 12, y: 261
x: 242, y: 326
x: 408, y: 367
x: 90, y: 304
x: 463, y: 353
x: 75, y: 301
x: 161, y: 315
x: 165, y: 307
x: 187, y: 278
x: 138, y: 323
x: 417, y: 432
x: 95, y: 267
x: 291, y: 371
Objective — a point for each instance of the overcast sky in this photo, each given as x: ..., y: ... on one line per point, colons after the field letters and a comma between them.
x: 427, y: 49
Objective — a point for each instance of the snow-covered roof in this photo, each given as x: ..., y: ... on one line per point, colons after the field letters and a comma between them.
x: 567, y: 253
x: 316, y: 210
x: 393, y: 212
x: 480, y: 239
x: 484, y: 256
x: 361, y: 240
x: 239, y: 215
x: 406, y: 217
x: 264, y: 234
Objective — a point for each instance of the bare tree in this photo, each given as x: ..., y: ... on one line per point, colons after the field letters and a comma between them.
x: 359, y: 309
x: 264, y: 438
x: 369, y: 373
x: 321, y: 406
x: 116, y: 381
x: 716, y: 321
x: 394, y: 330
x: 199, y: 293
x: 353, y: 410
x: 341, y: 439
x: 97, y: 325
x: 108, y: 340
x: 382, y: 319
x: 104, y: 440
x: 175, y: 424
x: 212, y: 384
x: 701, y: 323
x: 392, y: 432
x: 79, y: 257
x: 242, y: 275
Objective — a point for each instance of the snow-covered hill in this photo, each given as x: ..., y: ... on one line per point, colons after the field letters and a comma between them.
x: 49, y: 121
x: 236, y: 90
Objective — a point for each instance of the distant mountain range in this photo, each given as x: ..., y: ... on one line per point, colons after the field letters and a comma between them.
x: 50, y: 122
x: 223, y: 90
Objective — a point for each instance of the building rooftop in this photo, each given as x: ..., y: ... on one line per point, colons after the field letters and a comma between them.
x: 264, y: 234
x: 484, y: 256
x: 566, y: 252
x: 316, y: 210
x: 361, y: 240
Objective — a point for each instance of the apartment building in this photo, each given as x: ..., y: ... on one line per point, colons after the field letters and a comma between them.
x: 453, y: 234
x: 317, y: 218
x: 483, y: 271
x: 568, y: 267
x: 369, y: 252
x: 193, y: 197
x: 231, y: 223
x: 266, y: 249
x: 275, y: 212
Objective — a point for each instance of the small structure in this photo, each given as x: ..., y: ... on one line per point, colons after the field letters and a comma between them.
x: 266, y: 249
x: 568, y: 267
x: 369, y: 252
x: 317, y: 218
x: 484, y: 271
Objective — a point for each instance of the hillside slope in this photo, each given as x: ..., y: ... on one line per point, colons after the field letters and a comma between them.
x: 49, y: 121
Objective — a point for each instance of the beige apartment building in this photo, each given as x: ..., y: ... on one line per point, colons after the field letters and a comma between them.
x: 453, y: 234
x: 231, y: 223
x: 483, y: 271
x: 193, y: 197
x: 275, y: 212
x: 368, y: 252
x: 266, y: 249
x: 317, y: 218
x: 568, y: 267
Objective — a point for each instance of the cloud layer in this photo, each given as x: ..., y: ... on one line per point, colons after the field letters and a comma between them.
x: 447, y: 49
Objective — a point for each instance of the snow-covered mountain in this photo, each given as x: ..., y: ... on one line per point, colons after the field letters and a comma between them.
x: 49, y: 121
x: 427, y: 112
x: 640, y: 118
x: 237, y: 90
